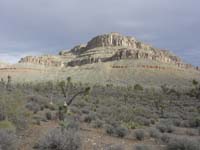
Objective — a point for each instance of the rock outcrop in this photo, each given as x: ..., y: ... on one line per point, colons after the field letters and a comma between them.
x: 3, y: 65
x: 104, y: 48
x: 48, y: 60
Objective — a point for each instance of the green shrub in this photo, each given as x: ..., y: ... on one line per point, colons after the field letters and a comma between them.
x: 7, y: 125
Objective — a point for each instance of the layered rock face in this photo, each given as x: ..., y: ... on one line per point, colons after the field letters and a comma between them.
x: 114, y: 46
x: 113, y: 39
x: 104, y: 48
x: 48, y: 60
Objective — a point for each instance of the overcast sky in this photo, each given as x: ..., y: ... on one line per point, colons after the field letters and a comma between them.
x: 35, y: 27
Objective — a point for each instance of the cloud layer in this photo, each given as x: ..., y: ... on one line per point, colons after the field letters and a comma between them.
x: 46, y: 26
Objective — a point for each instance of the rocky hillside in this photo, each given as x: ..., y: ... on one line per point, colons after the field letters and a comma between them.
x: 107, y: 59
x: 105, y: 48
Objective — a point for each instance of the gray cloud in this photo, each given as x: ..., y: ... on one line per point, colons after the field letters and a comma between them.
x: 46, y: 26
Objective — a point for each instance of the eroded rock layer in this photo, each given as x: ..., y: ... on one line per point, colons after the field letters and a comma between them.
x: 104, y: 48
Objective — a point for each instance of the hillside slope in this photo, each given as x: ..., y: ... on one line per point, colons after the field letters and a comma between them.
x: 107, y: 59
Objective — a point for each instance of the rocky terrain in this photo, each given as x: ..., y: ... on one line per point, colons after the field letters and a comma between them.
x: 104, y: 48
x: 107, y: 59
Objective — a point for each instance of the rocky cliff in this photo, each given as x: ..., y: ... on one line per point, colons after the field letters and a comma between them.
x: 105, y: 48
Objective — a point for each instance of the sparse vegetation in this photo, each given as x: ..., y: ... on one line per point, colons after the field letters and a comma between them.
x: 121, y: 112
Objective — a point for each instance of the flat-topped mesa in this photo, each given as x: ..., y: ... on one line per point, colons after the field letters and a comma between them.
x: 112, y: 40
x: 114, y: 46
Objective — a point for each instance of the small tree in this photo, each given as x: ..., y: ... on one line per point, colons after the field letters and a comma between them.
x: 8, y: 85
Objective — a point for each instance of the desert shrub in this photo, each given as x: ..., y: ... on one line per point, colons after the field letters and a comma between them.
x: 139, y: 134
x: 195, y: 122
x: 38, y: 119
x: 141, y: 147
x: 36, y: 103
x: 121, y: 131
x: 33, y: 107
x: 183, y: 144
x: 177, y: 122
x: 48, y: 115
x: 165, y: 138
x: 154, y: 133
x: 7, y: 125
x: 85, y: 110
x: 70, y: 123
x: 165, y: 128
x: 114, y: 147
x: 75, y: 110
x: 88, y: 118
x: 138, y: 87
x: 143, y: 121
x: 12, y: 109
x: 110, y: 129
x: 60, y: 140
x: 8, y: 140
x: 131, y: 125
x: 97, y: 123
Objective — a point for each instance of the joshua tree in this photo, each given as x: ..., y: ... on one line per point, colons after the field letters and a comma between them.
x: 8, y: 85
x: 67, y: 88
